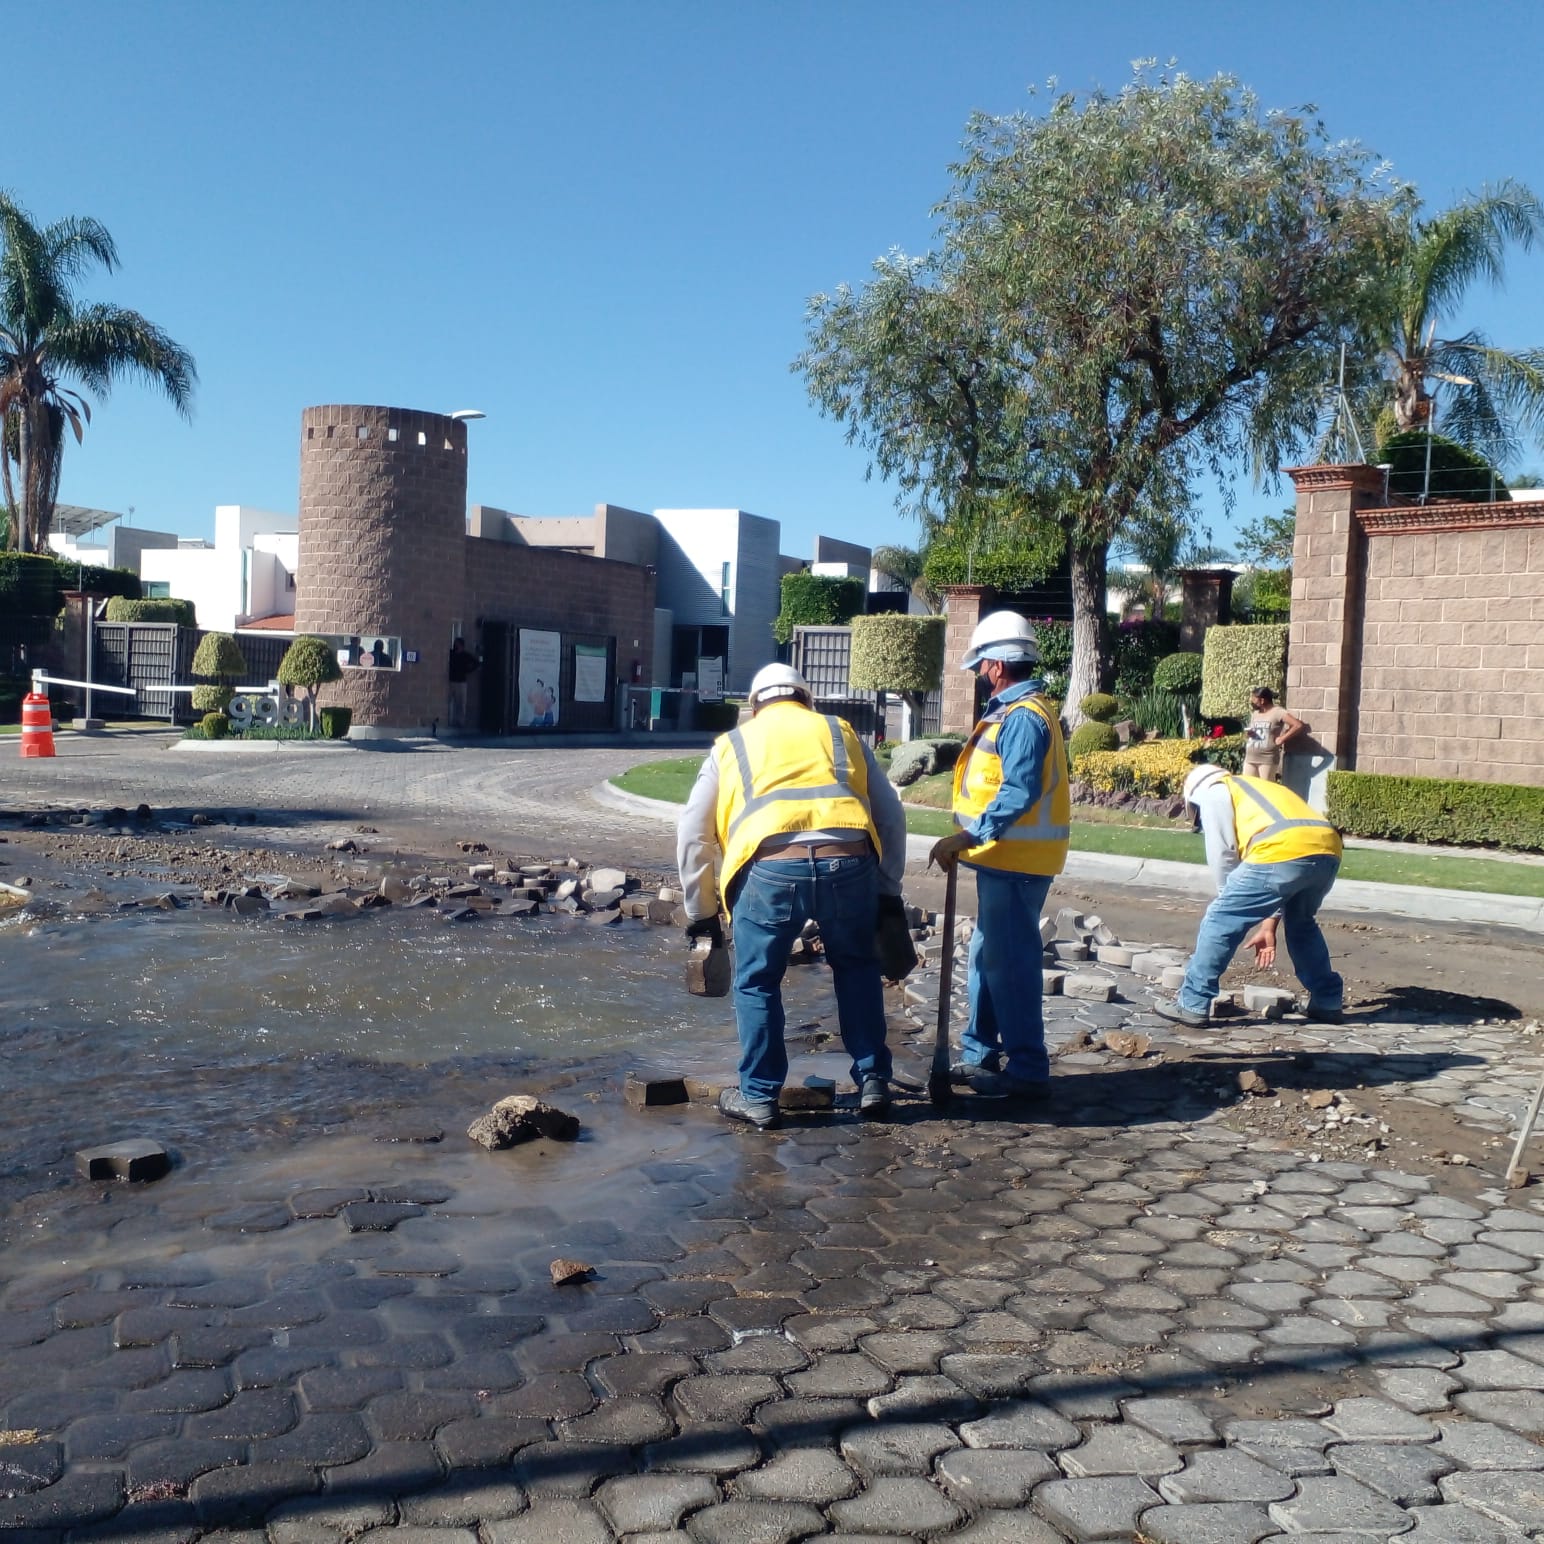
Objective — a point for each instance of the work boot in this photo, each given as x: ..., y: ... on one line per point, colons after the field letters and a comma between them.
x: 874, y: 1098
x: 1178, y: 1015
x: 1325, y: 1015
x: 760, y: 1113
x: 1003, y: 1085
x: 961, y: 1072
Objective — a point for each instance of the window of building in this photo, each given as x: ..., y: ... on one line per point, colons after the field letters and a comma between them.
x: 156, y: 589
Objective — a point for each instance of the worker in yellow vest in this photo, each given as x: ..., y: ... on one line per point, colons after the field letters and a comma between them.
x: 1273, y: 857
x: 1013, y: 806
x: 805, y: 828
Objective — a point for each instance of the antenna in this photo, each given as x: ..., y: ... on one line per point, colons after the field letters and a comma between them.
x: 1339, y: 436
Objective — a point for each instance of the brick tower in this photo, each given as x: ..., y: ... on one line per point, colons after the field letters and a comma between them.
x: 383, y: 551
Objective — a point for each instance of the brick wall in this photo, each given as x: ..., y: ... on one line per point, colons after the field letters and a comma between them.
x: 1417, y: 641
x: 964, y: 606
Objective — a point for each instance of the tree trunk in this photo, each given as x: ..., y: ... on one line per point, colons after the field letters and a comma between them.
x: 1091, y: 664
x: 21, y: 512
x: 1412, y: 403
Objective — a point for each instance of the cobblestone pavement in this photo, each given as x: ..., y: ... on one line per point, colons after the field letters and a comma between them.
x: 1116, y: 1318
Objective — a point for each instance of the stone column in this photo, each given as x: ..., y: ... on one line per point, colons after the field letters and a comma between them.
x: 1207, y: 602
x: 1325, y: 640
x: 964, y: 606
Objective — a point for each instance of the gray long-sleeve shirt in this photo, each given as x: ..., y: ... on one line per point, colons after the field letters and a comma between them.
x: 697, y: 848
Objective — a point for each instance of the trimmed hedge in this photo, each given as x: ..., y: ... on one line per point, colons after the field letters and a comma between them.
x: 1235, y: 660
x: 218, y: 657
x: 336, y: 721
x: 1101, y: 707
x: 1156, y: 770
x: 215, y: 726
x: 29, y: 597
x: 1434, y: 809
x: 892, y: 652
x: 161, y: 609
x: 1178, y: 673
x: 816, y: 600
x: 211, y: 699
x: 1089, y: 737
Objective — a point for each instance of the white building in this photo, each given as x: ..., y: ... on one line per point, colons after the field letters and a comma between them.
x: 246, y: 575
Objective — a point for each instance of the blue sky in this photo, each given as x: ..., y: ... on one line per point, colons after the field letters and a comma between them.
x: 599, y: 221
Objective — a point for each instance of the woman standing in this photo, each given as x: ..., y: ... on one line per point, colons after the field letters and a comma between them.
x: 1270, y: 728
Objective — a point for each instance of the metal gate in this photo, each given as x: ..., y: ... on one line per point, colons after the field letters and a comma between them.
x: 152, y: 656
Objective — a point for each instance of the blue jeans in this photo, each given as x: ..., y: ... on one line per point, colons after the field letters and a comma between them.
x: 1253, y: 892
x: 778, y: 896
x: 1005, y: 975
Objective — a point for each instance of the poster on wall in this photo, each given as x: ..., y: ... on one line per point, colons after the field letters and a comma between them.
x: 540, y: 656
x: 365, y: 651
x: 710, y: 679
x: 590, y: 672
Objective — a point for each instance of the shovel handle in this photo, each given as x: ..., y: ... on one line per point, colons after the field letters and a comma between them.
x: 946, y: 969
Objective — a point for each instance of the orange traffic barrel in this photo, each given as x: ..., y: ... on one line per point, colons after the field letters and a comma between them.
x: 37, y: 726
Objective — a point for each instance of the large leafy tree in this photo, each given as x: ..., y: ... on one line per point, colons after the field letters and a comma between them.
x: 1492, y: 399
x: 52, y: 346
x: 1128, y: 289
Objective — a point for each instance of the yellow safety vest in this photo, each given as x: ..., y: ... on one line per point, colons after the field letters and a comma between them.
x: 1274, y: 825
x: 788, y: 769
x: 1036, y: 843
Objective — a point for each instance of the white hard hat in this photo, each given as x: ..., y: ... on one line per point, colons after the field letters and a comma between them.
x: 1003, y: 635
x: 1200, y: 777
x: 774, y: 681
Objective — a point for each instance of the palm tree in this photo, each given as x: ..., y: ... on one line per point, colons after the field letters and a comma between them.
x: 1493, y: 397
x: 48, y: 339
x: 1156, y: 548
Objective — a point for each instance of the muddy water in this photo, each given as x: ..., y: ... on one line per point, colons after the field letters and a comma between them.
x: 217, y: 1035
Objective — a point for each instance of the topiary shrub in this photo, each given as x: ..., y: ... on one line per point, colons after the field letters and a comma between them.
x: 1092, y: 736
x: 215, y: 726
x: 817, y: 600
x: 336, y: 721
x: 892, y: 652
x: 1178, y: 673
x: 309, y: 662
x: 1435, y: 809
x: 1235, y: 660
x: 1100, y: 707
x: 212, y: 699
x: 218, y: 657
x: 161, y: 609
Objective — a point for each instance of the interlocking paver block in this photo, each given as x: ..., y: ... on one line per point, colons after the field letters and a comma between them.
x: 1120, y: 1450
x: 551, y: 1522
x: 994, y: 1477
x: 1523, y: 1412
x: 1096, y: 1509
x: 1224, y: 1475
x: 639, y: 1503
x: 1479, y: 1445
x: 1407, y: 1474
x: 1023, y: 1425
x: 1175, y: 1420
x: 321, y: 1519
x: 1333, y: 1504
x: 812, y: 1475
x: 896, y: 1447
x: 1483, y: 1370
x: 755, y: 1522
x: 1454, y: 1524
x: 1422, y: 1389
x: 1236, y: 1522
x: 1514, y: 1498
x: 1367, y: 1419
x: 996, y: 1528
x: 897, y: 1504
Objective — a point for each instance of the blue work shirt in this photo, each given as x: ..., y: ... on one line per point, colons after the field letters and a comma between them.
x: 1022, y: 743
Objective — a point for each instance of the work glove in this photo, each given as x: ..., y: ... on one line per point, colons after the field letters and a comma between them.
x: 892, y: 939
x: 706, y: 927
x: 892, y: 906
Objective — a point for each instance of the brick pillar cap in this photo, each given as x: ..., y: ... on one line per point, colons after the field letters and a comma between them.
x: 1357, y: 476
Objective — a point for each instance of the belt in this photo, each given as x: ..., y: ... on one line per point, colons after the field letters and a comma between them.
x: 798, y: 850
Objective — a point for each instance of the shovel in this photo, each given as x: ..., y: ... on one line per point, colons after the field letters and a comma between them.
x: 939, y: 1090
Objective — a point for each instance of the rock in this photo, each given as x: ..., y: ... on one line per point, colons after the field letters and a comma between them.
x: 644, y: 1093
x: 137, y: 1159
x: 200, y: 819
x: 343, y: 843
x: 1250, y: 1082
x: 567, y: 890
x: 472, y: 846
x: 661, y: 913
x: 568, y: 1273
x: 1124, y: 1043
x: 1096, y: 989
x: 611, y: 879
x: 522, y: 1118
x: 604, y: 918
x: 1272, y: 1001
x: 336, y: 905
x: 1104, y: 935
x: 535, y: 870
x: 913, y: 760
x: 1319, y: 1099
x: 813, y: 1094
x: 1518, y: 1178
x: 395, y: 890
x: 480, y: 871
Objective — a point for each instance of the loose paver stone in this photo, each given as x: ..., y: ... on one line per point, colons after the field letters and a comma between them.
x: 1332, y: 1504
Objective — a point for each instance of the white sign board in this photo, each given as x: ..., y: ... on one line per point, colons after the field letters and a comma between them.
x: 710, y: 679
x: 540, y: 660
x: 590, y: 672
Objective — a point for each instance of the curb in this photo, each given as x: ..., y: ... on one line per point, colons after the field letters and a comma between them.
x: 1350, y: 896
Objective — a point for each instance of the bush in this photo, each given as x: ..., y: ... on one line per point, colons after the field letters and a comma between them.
x: 1225, y: 751
x: 1433, y: 809
x: 1456, y: 472
x: 1156, y: 770
x: 1238, y: 659
x: 1092, y: 736
x: 1178, y: 673
x: 814, y: 600
x: 29, y: 597
x: 161, y: 609
x: 1055, y: 641
x: 93, y: 579
x: 1163, y: 713
x: 215, y: 726
x: 336, y: 721
x: 893, y: 652
x: 1138, y: 648
x: 1099, y: 706
x: 218, y: 657
x: 922, y: 758
x: 212, y: 699
x: 309, y: 662
x: 717, y: 716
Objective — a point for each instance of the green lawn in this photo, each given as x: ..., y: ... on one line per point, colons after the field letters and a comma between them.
x: 672, y: 780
